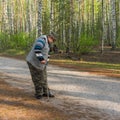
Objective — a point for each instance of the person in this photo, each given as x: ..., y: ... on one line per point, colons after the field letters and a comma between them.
x: 55, y: 48
x: 37, y: 60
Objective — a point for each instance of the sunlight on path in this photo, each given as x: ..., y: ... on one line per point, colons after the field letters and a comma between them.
x: 78, y: 88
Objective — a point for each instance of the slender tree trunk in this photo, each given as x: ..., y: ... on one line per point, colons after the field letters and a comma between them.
x: 12, y: 18
x: 113, y: 17
x: 63, y: 23
x: 70, y: 25
x: 39, y: 17
x: 79, y: 18
x: 28, y: 14
x: 82, y: 20
x: 119, y: 13
x: 4, y: 16
x: 103, y: 28
x: 51, y: 16
x: 92, y: 17
x: 109, y: 24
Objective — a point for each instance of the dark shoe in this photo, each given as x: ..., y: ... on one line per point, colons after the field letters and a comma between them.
x: 39, y: 97
x: 46, y: 95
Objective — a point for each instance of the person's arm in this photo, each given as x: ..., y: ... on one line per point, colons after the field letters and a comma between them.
x: 38, y: 48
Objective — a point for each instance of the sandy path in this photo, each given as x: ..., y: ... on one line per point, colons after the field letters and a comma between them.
x: 88, y: 96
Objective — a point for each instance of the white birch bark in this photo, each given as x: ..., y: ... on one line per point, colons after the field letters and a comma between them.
x: 119, y: 13
x: 63, y: 25
x: 51, y: 16
x: 79, y: 18
x: 109, y: 23
x: 11, y: 16
x: 28, y: 14
x: 92, y: 17
x: 4, y: 16
x: 113, y: 18
x: 103, y: 28
x: 39, y: 25
x: 71, y: 24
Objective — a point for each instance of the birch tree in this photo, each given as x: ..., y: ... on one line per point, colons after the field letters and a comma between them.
x: 39, y: 25
x: 51, y: 15
x: 103, y: 28
x: 75, y: 21
x: 92, y: 17
x: 4, y: 25
x: 113, y: 18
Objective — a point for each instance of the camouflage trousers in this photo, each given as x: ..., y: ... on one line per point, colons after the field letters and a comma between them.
x: 39, y: 78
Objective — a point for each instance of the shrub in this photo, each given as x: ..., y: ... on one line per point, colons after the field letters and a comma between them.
x: 86, y: 44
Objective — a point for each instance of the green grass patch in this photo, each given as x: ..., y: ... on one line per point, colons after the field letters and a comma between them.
x: 88, y: 64
x: 19, y: 54
x: 13, y: 52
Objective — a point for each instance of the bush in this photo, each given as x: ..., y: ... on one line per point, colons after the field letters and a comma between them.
x: 19, y: 41
x: 4, y: 38
x: 86, y: 44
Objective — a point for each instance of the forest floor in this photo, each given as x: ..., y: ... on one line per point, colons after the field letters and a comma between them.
x: 17, y: 105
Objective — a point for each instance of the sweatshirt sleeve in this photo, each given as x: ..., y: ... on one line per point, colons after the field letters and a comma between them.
x: 40, y: 43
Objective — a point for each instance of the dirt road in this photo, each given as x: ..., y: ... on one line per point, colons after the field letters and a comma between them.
x: 76, y: 92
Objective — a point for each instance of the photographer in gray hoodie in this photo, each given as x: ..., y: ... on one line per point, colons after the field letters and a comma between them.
x: 37, y: 60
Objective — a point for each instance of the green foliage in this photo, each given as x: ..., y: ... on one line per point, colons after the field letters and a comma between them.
x: 86, y: 44
x: 19, y: 41
x: 78, y: 23
x: 118, y: 42
x: 118, y: 39
x: 4, y: 38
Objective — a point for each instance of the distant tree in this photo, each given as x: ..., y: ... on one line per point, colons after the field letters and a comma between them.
x: 113, y: 17
x: 39, y: 25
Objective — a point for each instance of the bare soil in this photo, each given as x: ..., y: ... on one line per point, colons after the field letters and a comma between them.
x: 16, y: 104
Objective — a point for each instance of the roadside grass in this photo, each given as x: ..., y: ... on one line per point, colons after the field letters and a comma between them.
x: 88, y: 64
x: 13, y: 52
x: 99, y: 68
x: 78, y: 65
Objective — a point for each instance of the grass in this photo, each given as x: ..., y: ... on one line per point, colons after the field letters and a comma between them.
x: 111, y: 70
x: 88, y: 64
x: 20, y: 54
x: 13, y: 52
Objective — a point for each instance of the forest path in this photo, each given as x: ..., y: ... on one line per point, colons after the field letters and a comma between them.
x: 85, y: 95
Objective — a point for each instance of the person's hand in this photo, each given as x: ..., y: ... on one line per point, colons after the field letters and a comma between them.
x: 43, y: 62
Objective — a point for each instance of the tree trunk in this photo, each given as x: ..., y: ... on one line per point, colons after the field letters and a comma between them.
x: 39, y: 17
x: 103, y: 28
x: 92, y: 17
x: 113, y: 17
x: 51, y: 16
